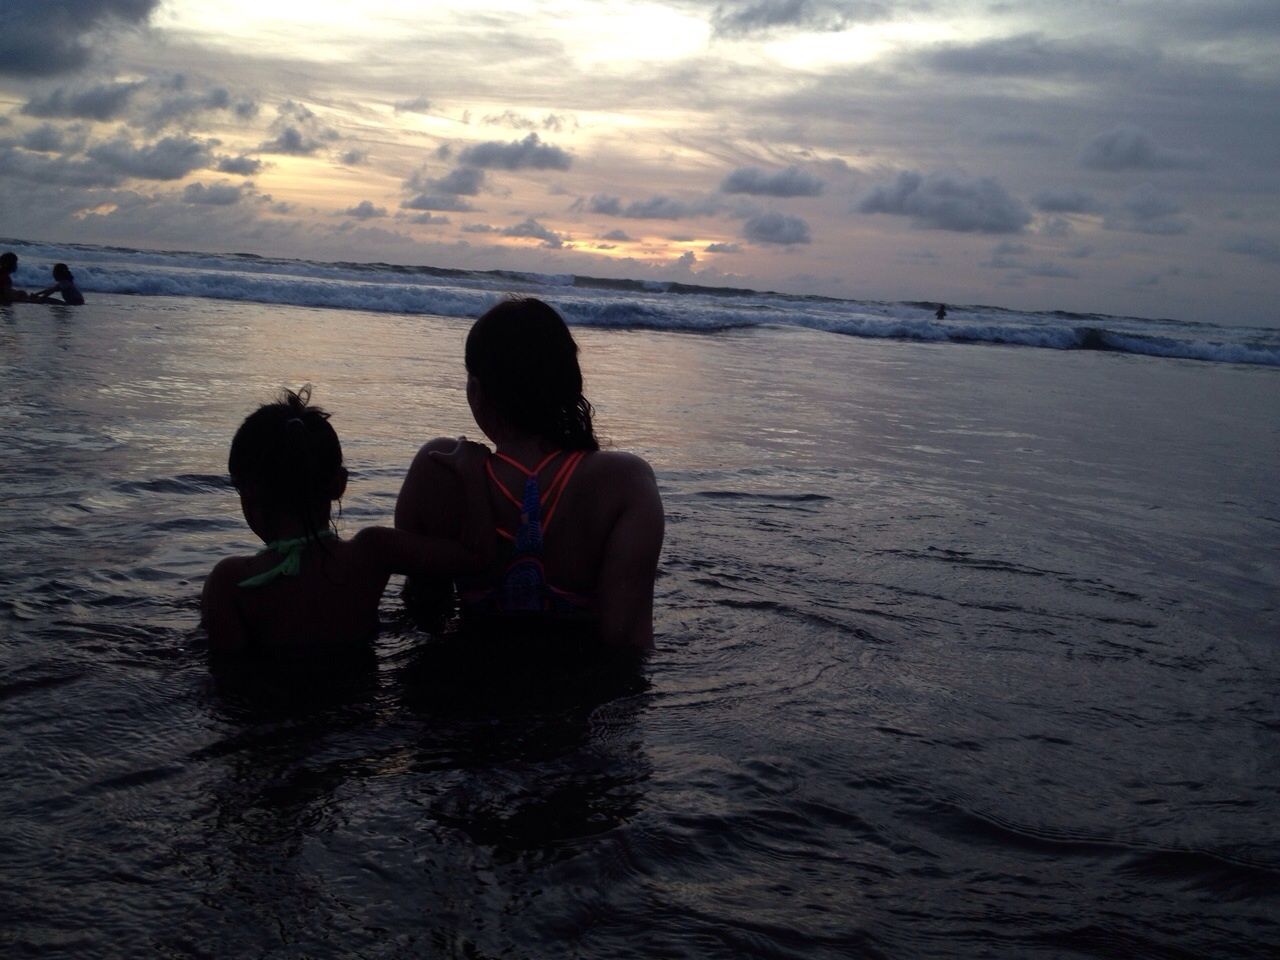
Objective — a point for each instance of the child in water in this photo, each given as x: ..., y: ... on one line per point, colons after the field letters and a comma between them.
x: 63, y: 283
x: 310, y: 590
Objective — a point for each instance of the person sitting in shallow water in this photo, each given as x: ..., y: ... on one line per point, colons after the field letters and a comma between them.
x: 64, y: 284
x: 8, y: 267
x: 578, y: 529
x: 309, y: 590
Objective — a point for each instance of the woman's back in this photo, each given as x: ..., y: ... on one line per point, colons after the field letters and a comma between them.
x: 599, y: 550
x: 603, y: 517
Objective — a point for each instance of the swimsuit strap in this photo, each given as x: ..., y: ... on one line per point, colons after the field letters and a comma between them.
x: 291, y: 565
x: 550, y: 498
x: 556, y: 489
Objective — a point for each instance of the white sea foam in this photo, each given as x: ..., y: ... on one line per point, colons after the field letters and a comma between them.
x: 587, y: 301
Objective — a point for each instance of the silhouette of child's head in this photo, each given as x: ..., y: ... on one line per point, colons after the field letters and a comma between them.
x: 8, y: 262
x: 62, y: 272
x: 286, y: 461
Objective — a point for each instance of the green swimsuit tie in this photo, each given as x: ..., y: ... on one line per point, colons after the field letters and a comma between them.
x: 290, y: 566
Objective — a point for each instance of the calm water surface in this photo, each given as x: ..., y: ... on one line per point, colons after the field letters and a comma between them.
x: 963, y: 652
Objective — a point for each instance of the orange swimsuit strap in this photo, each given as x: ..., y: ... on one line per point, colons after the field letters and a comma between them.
x: 549, y: 498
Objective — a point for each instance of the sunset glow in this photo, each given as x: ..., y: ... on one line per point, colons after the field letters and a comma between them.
x: 1121, y: 161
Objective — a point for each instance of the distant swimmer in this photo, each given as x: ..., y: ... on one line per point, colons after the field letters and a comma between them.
x: 64, y: 283
x: 8, y: 266
x: 942, y: 311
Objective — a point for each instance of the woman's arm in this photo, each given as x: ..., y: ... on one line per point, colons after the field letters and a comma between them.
x: 625, y: 587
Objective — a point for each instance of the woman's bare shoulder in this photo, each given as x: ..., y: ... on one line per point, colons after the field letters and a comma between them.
x: 617, y: 464
x: 624, y: 478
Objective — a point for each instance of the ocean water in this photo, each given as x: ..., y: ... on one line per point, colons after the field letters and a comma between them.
x: 964, y: 648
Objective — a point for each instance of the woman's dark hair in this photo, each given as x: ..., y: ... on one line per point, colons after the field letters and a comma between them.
x: 62, y: 272
x: 526, y: 360
x: 290, y: 453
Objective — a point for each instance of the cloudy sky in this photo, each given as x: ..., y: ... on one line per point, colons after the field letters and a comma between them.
x: 1120, y: 156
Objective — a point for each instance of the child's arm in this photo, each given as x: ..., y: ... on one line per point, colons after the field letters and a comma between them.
x: 410, y: 553
x: 218, y: 612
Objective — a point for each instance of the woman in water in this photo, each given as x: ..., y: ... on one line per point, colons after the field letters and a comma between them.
x: 310, y: 591
x: 64, y: 284
x: 578, y: 529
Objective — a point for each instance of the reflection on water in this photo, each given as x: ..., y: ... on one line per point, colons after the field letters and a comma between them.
x: 960, y: 652
x: 360, y: 806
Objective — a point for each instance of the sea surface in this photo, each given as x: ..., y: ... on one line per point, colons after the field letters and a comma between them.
x: 967, y: 641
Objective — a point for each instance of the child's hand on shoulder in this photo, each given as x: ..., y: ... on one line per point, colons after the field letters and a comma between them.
x: 466, y: 458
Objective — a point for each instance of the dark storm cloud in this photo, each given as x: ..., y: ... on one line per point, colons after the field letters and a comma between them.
x: 777, y: 228
x: 1228, y: 17
x: 293, y: 142
x: 723, y: 248
x: 529, y: 153
x: 105, y: 102
x: 1065, y: 201
x: 241, y: 166
x: 1047, y: 268
x: 745, y: 17
x: 466, y: 181
x: 617, y: 236
x: 791, y: 182
x: 949, y: 202
x: 183, y: 107
x: 365, y: 210
x: 299, y: 132
x: 532, y: 229
x: 606, y: 204
x: 47, y: 37
x: 169, y: 159
x: 1131, y: 148
x: 1268, y: 251
x: 45, y: 139
x: 1031, y: 55
x: 654, y: 208
x: 220, y: 194
x: 426, y: 201
x: 60, y: 171
x: 1147, y: 210
x: 430, y: 220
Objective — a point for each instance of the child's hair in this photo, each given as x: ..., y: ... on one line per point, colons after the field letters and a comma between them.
x: 290, y: 454
x: 8, y: 261
x: 62, y: 272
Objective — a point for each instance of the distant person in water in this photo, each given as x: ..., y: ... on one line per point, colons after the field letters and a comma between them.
x: 309, y: 591
x: 64, y: 283
x: 942, y: 311
x: 578, y: 529
x: 9, y: 266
